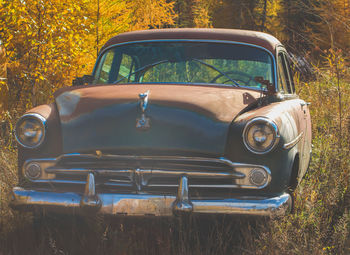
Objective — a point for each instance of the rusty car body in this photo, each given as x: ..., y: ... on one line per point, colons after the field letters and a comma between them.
x: 175, y: 121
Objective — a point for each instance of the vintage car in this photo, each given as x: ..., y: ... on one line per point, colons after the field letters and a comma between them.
x: 171, y: 122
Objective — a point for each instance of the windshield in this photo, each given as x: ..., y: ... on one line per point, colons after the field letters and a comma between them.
x: 184, y: 62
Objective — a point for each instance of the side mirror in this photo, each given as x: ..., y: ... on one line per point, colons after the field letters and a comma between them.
x: 269, y: 86
x: 86, y: 79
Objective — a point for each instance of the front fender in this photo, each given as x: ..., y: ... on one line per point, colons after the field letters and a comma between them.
x: 279, y: 160
x: 52, y: 145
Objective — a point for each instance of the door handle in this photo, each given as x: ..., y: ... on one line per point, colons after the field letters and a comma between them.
x: 304, y: 103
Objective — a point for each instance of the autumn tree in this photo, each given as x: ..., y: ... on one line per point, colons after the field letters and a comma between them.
x: 266, y: 16
x: 114, y: 17
x: 3, y: 83
x: 202, y: 13
x: 195, y: 13
x: 185, y: 15
x: 299, y: 19
x: 333, y: 25
x: 236, y: 14
x: 46, y: 43
x: 108, y: 18
x: 43, y: 41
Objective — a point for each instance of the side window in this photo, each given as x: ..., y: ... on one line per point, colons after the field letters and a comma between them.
x: 290, y: 74
x: 284, y: 67
x: 127, y: 67
x: 105, y: 67
x: 108, y: 72
x: 285, y: 75
x: 282, y: 79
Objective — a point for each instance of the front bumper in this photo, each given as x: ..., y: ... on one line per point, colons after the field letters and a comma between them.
x: 146, y: 204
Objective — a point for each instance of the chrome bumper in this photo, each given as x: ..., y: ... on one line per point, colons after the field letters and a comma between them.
x: 146, y: 204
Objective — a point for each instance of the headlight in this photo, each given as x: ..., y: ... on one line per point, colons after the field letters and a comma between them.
x: 260, y: 135
x: 30, y: 130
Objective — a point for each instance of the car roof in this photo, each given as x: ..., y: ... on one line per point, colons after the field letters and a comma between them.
x: 264, y: 40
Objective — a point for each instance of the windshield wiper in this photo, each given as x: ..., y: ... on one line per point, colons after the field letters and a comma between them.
x: 146, y: 67
x: 143, y: 68
x: 219, y: 71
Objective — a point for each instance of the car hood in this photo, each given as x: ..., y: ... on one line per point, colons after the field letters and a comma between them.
x: 177, y: 118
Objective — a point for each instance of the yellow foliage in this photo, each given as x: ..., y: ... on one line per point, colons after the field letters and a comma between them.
x: 201, y: 16
x: 3, y: 84
x: 48, y: 43
x: 147, y: 14
x: 42, y: 41
x: 109, y: 18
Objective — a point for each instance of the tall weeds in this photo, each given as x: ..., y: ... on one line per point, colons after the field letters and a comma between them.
x: 321, y: 222
x: 319, y: 225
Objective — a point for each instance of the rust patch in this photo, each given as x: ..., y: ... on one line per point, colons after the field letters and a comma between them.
x: 67, y: 102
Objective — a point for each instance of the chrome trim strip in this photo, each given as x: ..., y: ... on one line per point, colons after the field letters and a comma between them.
x: 137, y: 157
x: 55, y: 181
x: 218, y: 186
x: 128, y: 173
x: 129, y: 184
x: 80, y: 171
x: 43, y: 123
x: 145, y: 205
x: 194, y: 40
x: 292, y: 143
x: 190, y: 173
x: 157, y: 158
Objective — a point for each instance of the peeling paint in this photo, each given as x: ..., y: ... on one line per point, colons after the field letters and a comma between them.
x: 67, y: 102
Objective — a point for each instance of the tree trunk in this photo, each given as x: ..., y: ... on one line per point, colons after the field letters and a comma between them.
x: 263, y: 18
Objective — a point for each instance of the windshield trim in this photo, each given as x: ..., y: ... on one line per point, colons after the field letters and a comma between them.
x: 185, y: 83
x: 194, y: 40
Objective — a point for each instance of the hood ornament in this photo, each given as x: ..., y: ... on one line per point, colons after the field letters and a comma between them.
x: 144, y: 100
x: 143, y: 123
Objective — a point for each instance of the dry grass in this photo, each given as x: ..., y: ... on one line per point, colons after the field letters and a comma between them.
x: 320, y: 224
x: 22, y: 233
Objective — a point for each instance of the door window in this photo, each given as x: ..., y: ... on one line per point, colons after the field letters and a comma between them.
x: 282, y: 79
x: 290, y: 82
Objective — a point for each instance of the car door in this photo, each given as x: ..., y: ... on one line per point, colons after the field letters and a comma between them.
x: 299, y: 109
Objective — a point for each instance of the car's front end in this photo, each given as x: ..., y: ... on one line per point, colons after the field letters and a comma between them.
x: 168, y: 128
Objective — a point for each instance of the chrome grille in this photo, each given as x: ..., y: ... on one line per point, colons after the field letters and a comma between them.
x: 145, y: 172
x: 159, y: 174
x: 118, y: 162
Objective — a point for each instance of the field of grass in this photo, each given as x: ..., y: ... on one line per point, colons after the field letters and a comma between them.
x: 319, y: 225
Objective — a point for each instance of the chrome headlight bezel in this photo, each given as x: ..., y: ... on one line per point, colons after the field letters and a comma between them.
x: 42, y: 123
x: 261, y: 121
